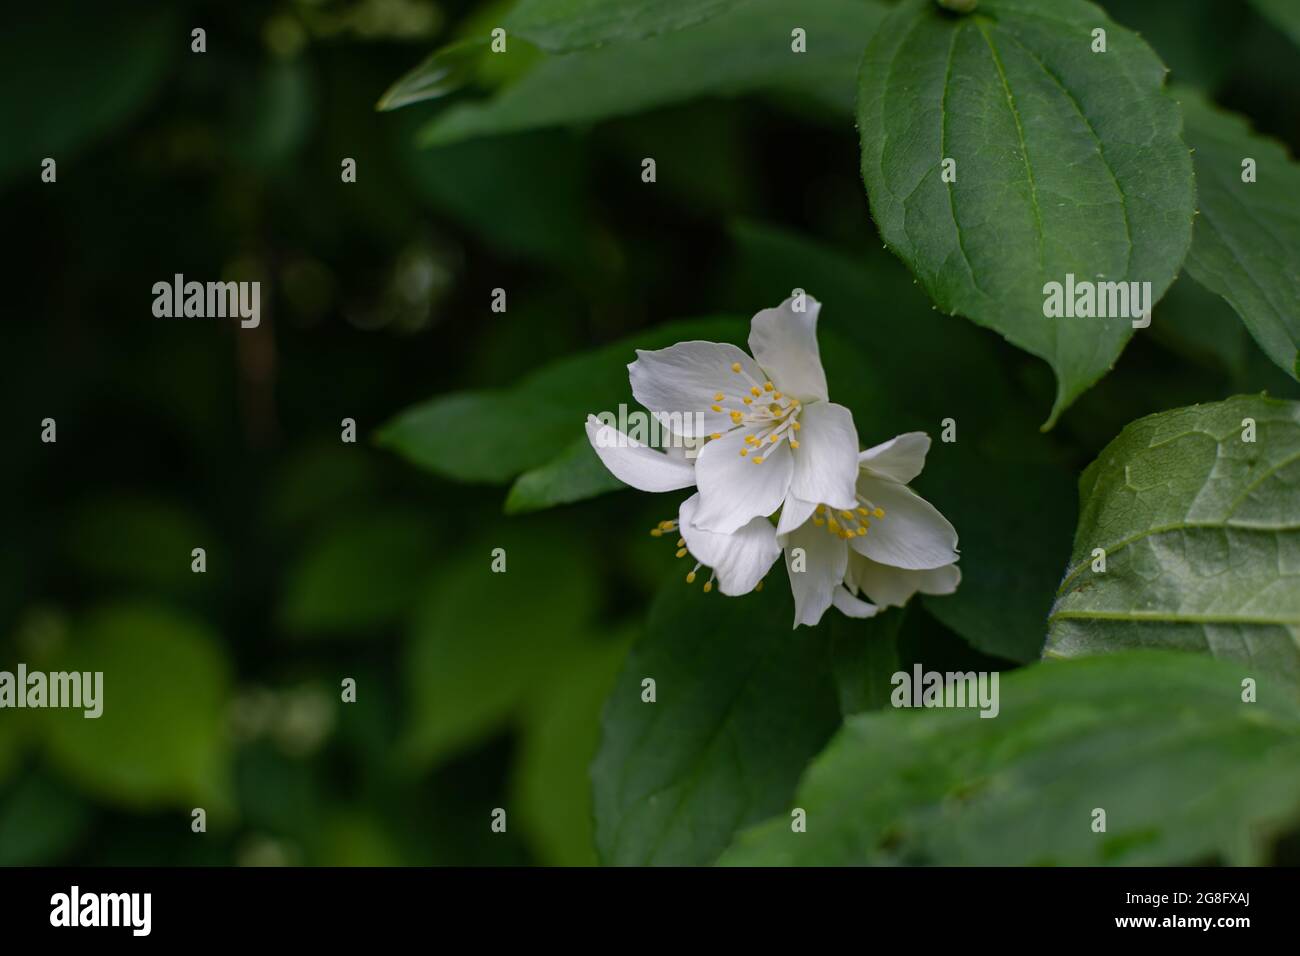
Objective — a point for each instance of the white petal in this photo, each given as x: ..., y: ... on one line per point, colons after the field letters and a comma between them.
x: 912, y: 534
x: 794, y: 512
x: 733, y: 489
x: 785, y: 343
x: 739, y: 560
x: 899, y: 459
x: 635, y: 464
x: 826, y: 461
x: 684, y: 379
x: 824, y: 559
x: 893, y: 587
x: 850, y: 605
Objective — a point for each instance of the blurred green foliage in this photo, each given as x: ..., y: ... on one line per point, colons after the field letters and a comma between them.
x: 328, y: 561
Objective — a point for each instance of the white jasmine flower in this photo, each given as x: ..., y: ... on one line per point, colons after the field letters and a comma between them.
x: 767, y: 427
x: 888, y: 545
x: 738, y: 561
x: 637, y: 464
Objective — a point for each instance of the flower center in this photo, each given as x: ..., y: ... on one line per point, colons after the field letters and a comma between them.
x: 847, y: 524
x: 760, y: 406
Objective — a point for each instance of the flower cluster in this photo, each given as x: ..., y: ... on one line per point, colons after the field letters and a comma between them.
x: 776, y: 468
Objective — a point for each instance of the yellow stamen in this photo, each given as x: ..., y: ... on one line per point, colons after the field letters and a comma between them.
x: 748, y: 401
x: 708, y: 586
x: 716, y: 435
x: 879, y: 512
x: 757, y: 459
x: 681, y: 552
x: 716, y: 408
x: 690, y: 577
x: 861, y: 532
x: 735, y: 366
x: 744, y: 452
x: 758, y: 586
x: 656, y: 533
x: 793, y: 443
x: 796, y: 426
x: 864, y: 512
x: 819, y: 521
x: 768, y: 386
x: 718, y: 397
x: 846, y: 515
x: 821, y: 510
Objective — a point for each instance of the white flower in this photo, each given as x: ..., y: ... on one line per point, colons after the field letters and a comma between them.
x: 637, y: 464
x: 765, y: 424
x: 890, y: 544
x: 738, y: 560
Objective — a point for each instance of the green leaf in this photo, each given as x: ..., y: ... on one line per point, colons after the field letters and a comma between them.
x: 359, y: 574
x: 161, y: 738
x: 1068, y: 162
x: 865, y: 654
x: 574, y: 475
x: 899, y: 366
x: 443, y: 71
x: 562, y: 25
x: 482, y: 641
x: 745, y: 50
x: 493, y: 436
x: 1247, y: 237
x: 1132, y: 734
x: 1201, y: 540
x: 742, y: 702
x: 76, y: 72
x: 1284, y: 14
x: 560, y: 731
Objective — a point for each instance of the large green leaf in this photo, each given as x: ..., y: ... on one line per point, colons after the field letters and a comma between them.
x: 742, y: 702
x: 561, y: 25
x: 1068, y: 162
x: 161, y: 739
x: 899, y: 366
x: 1185, y: 771
x: 493, y: 436
x: 745, y: 50
x: 1247, y: 241
x: 1201, y: 532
